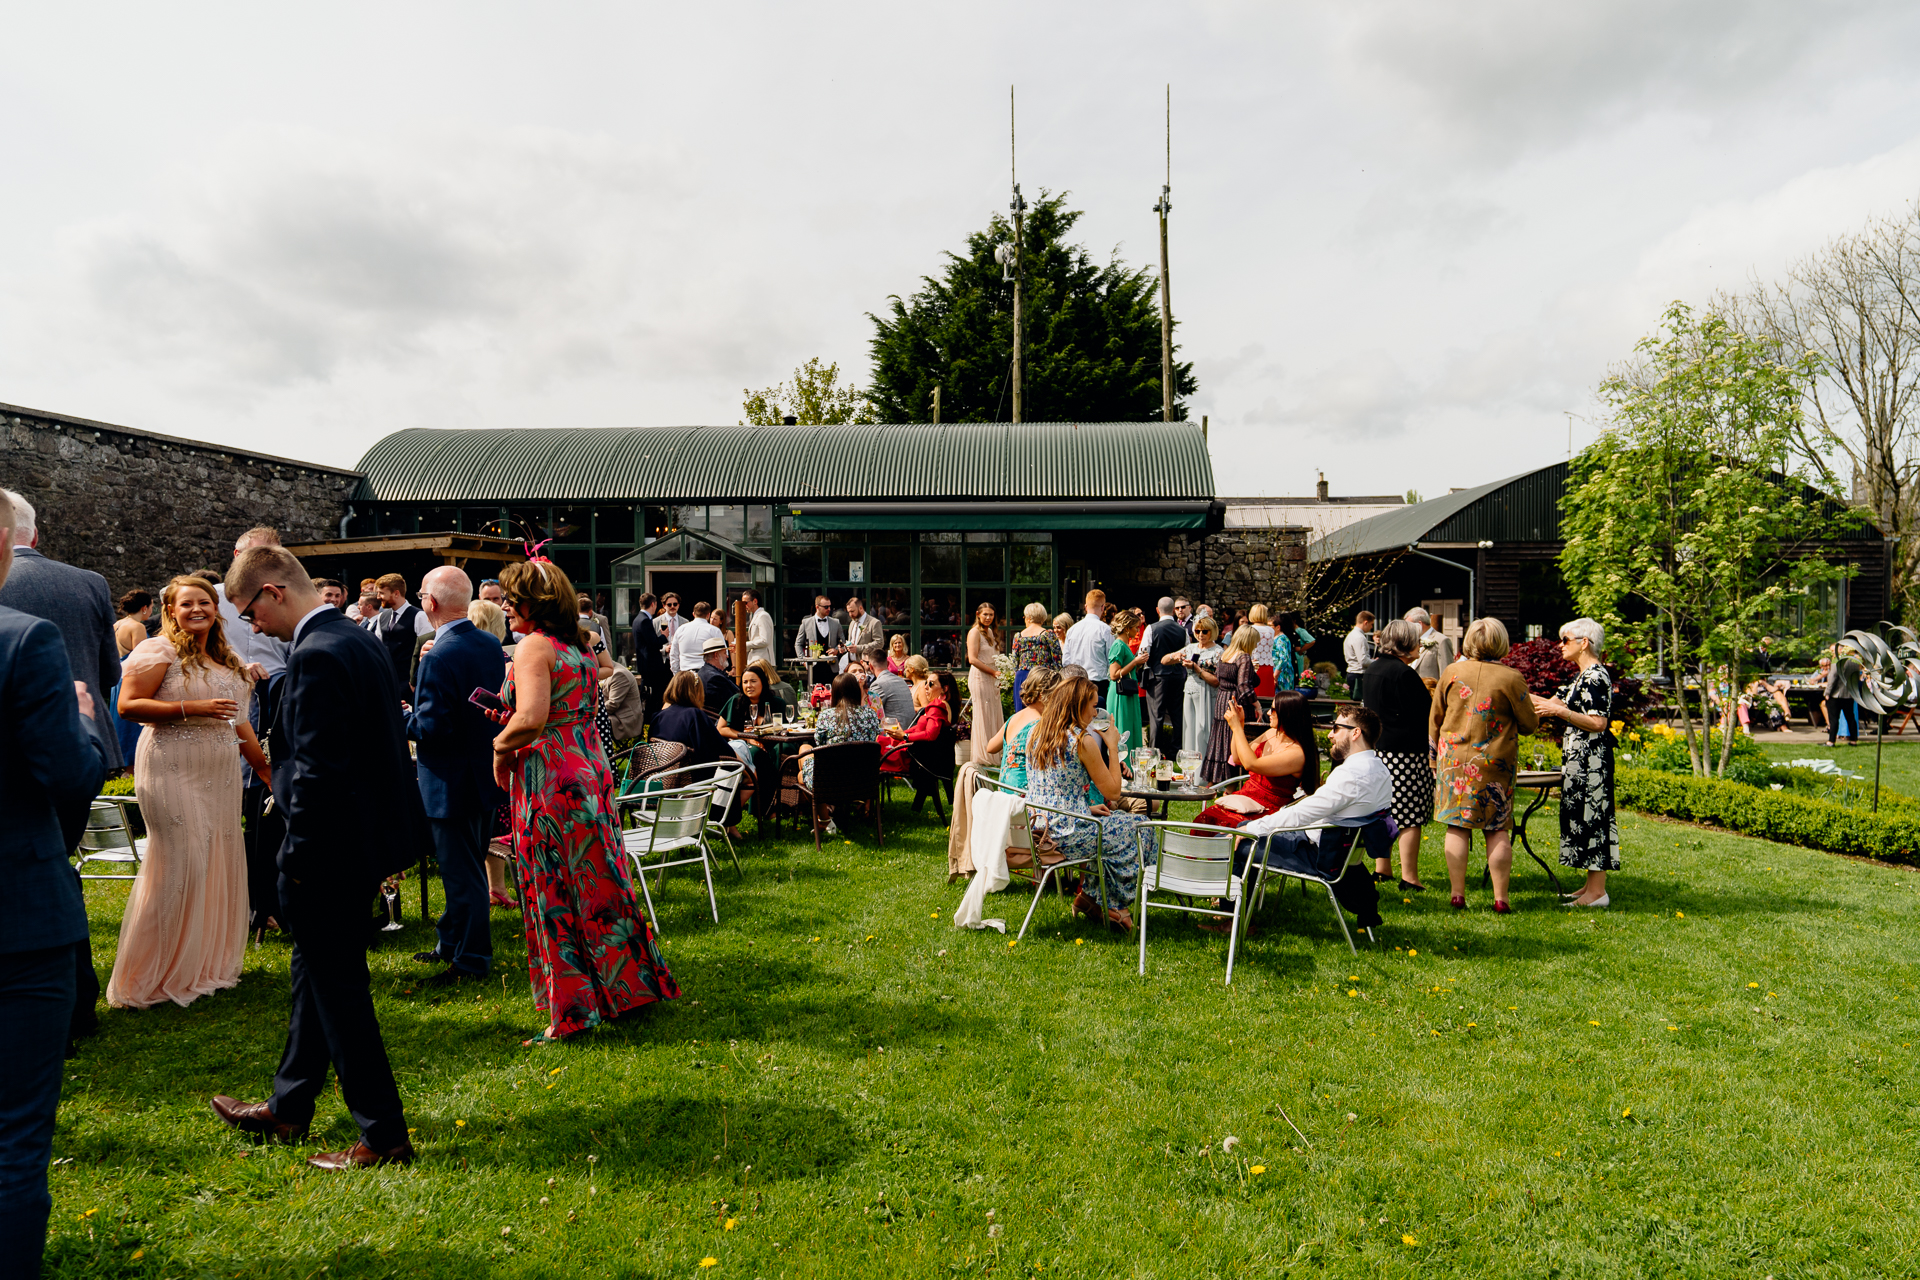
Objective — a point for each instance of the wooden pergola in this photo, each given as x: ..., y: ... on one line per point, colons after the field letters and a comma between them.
x: 415, y: 552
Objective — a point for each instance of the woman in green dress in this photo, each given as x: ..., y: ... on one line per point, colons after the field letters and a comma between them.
x: 1123, y: 666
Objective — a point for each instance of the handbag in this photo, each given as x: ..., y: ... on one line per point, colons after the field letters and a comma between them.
x: 1127, y: 686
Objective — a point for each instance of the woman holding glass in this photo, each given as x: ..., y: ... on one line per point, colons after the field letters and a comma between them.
x: 1235, y: 682
x: 184, y: 933
x: 1589, y: 829
x: 1123, y: 672
x: 1202, y: 660
x: 1064, y: 763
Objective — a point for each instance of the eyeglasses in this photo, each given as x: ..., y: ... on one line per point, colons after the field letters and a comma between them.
x: 1341, y: 725
x: 246, y: 614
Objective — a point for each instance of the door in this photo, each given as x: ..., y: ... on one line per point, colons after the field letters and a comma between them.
x: 691, y: 584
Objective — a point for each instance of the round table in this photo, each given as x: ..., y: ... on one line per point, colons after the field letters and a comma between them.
x: 1540, y: 782
x: 1187, y: 790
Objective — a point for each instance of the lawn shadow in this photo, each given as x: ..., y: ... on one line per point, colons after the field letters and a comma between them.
x: 75, y: 1256
x: 676, y: 1138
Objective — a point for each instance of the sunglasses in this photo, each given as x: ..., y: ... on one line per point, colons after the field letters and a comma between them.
x: 489, y: 582
x: 246, y: 614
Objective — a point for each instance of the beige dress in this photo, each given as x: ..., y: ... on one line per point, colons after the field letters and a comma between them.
x: 987, y: 714
x: 185, y: 929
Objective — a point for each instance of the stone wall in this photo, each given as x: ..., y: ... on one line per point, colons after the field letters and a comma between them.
x: 138, y: 507
x: 1231, y: 569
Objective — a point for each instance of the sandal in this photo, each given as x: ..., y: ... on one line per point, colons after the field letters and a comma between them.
x: 497, y: 899
x: 540, y: 1038
x: 1085, y: 906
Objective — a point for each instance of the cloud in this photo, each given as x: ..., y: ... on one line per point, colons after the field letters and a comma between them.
x: 1496, y: 78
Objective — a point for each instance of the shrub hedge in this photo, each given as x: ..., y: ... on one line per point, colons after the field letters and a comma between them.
x: 1892, y: 835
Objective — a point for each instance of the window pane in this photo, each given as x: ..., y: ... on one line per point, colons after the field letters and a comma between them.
x: 986, y: 564
x: 939, y: 537
x: 573, y: 524
x: 788, y: 533
x: 438, y: 519
x: 846, y: 564
x: 482, y: 520
x: 759, y: 525
x: 529, y: 523
x: 613, y: 524
x: 802, y: 562
x: 575, y: 561
x: 1033, y: 562
x: 889, y: 564
x: 889, y: 604
x: 987, y: 535
x: 939, y: 564
x: 729, y: 522
x: 845, y: 535
x: 1031, y: 536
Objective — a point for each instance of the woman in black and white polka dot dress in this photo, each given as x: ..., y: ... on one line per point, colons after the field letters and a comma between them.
x: 1403, y: 702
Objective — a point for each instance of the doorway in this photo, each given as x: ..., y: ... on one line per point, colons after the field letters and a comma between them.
x: 691, y: 585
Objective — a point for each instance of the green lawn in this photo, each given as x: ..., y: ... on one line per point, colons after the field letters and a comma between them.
x: 1899, y: 761
x: 1713, y: 1079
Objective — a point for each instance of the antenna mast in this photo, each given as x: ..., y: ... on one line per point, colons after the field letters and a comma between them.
x: 1018, y: 208
x: 1163, y: 208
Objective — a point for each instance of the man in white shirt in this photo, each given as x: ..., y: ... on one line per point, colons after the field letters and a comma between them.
x: 1088, y: 641
x: 1357, y: 793
x: 690, y: 641
x: 1358, y: 649
x: 760, y: 633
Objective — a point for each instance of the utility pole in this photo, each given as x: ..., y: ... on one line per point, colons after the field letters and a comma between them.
x: 1018, y: 207
x: 1163, y: 208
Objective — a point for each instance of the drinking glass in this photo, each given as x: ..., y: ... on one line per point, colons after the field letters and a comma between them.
x: 775, y: 719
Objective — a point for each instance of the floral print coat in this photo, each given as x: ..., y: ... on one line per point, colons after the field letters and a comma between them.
x: 1480, y: 709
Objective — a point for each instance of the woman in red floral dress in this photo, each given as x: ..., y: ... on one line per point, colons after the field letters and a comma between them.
x: 591, y: 953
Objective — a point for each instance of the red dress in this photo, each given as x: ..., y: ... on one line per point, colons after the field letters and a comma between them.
x: 1269, y: 793
x: 926, y: 727
x: 591, y: 954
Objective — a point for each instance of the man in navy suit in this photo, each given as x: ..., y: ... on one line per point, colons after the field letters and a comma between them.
x: 76, y: 601
x: 1164, y: 684
x: 51, y: 764
x: 456, y: 768
x: 341, y: 752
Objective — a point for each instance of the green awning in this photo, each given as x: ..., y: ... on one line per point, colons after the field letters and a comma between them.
x: 1010, y: 516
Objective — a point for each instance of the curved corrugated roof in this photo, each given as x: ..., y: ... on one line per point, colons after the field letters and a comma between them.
x: 1396, y: 530
x: 1115, y: 461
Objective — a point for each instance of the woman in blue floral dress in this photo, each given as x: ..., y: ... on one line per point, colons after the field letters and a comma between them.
x: 1064, y: 760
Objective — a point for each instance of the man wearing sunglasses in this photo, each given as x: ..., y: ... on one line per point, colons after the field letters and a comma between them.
x: 1357, y: 793
x: 339, y: 731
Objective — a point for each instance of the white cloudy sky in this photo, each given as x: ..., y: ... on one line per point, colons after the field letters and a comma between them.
x: 1409, y: 237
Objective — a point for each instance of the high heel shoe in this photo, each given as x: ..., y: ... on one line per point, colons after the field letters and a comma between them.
x: 1408, y: 886
x: 1458, y: 903
x: 1501, y: 908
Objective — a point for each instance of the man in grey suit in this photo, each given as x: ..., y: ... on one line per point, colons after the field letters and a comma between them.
x: 77, y: 602
x: 1436, y: 650
x: 824, y: 632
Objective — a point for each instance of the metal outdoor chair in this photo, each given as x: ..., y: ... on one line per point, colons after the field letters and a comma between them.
x: 108, y: 838
x: 727, y: 777
x: 1066, y: 862
x: 644, y: 759
x: 1355, y: 854
x: 929, y: 768
x: 669, y: 829
x: 844, y: 774
x: 1190, y: 861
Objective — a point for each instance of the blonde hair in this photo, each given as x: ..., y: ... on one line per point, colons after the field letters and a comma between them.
x: 685, y: 690
x: 916, y: 666
x: 217, y: 651
x: 979, y: 609
x: 1047, y: 740
x: 489, y: 617
x: 1035, y: 612
x: 1062, y: 621
x: 1259, y: 616
x: 1205, y: 623
x: 1485, y: 641
x: 1040, y: 682
x: 897, y: 639
x: 1245, y: 640
x: 1126, y: 622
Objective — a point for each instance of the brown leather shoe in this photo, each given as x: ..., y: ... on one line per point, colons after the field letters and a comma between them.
x: 361, y: 1156
x: 256, y: 1118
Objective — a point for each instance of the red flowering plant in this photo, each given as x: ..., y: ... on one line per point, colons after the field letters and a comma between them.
x: 1546, y: 673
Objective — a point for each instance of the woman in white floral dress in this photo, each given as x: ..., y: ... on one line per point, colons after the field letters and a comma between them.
x: 1589, y: 830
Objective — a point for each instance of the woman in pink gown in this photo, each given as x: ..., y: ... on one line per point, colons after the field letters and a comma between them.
x: 184, y: 933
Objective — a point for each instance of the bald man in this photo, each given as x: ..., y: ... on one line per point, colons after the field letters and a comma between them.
x: 456, y: 769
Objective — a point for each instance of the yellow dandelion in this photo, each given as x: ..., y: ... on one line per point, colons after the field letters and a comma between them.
x: 459, y: 1124
x: 1753, y: 985
x: 556, y: 1071
x: 813, y: 939
x: 1256, y: 1169
x: 869, y: 938
x: 1351, y: 992
x: 709, y: 1262
x: 1626, y: 1113
x: 1513, y: 1008
x: 846, y: 842
x: 1436, y: 1033
x: 139, y: 1254
x: 1672, y: 1028
x: 1473, y: 1024
x: 1079, y: 942
x: 1592, y: 1023
x: 1408, y: 1240
x: 933, y: 915
x: 1679, y: 915
x: 731, y: 1224
x: 1413, y: 953
x: 1012, y: 943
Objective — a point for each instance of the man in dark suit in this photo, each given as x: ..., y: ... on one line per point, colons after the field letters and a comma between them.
x: 1164, y: 685
x: 456, y: 769
x: 339, y: 731
x: 51, y: 765
x: 77, y: 602
x: 647, y: 645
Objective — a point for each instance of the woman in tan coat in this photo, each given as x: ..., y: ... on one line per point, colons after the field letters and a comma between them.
x: 1480, y: 709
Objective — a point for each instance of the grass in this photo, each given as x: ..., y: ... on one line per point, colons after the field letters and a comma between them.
x: 1714, y: 1079
x: 1899, y: 761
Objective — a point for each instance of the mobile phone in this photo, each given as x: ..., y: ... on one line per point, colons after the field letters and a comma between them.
x: 486, y: 700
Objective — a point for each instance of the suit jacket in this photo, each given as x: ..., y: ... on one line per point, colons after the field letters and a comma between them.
x: 825, y: 632
x: 75, y: 601
x: 455, y: 737
x: 51, y: 765
x: 1164, y: 637
x: 867, y: 631
x: 340, y: 758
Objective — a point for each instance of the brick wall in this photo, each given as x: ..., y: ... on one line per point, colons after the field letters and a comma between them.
x: 1231, y: 569
x: 138, y: 507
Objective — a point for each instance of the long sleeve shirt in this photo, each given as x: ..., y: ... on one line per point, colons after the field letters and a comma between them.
x: 1358, y: 787
x: 1358, y: 648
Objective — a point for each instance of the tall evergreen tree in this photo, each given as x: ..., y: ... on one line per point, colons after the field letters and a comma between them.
x: 1092, y: 335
